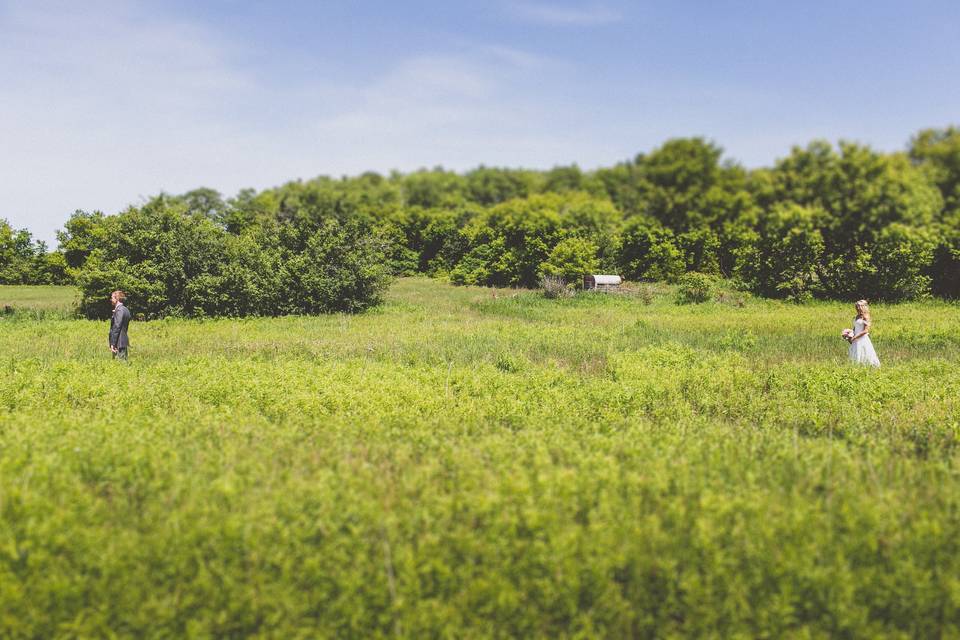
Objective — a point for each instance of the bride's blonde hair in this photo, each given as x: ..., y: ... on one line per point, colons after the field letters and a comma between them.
x: 864, y: 310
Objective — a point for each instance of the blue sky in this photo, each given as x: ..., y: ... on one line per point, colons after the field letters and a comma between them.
x: 106, y: 102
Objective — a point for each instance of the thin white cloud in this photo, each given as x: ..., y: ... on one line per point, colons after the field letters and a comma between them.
x: 104, y: 102
x: 109, y: 102
x: 552, y: 14
x: 455, y: 110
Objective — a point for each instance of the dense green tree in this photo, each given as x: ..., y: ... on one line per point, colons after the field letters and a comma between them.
x: 571, y: 259
x: 902, y: 256
x: 700, y: 249
x: 835, y: 221
x: 783, y: 257
x: 862, y: 191
x: 24, y: 260
x: 205, y: 202
x: 489, y: 186
x: 527, y: 229
x: 81, y: 234
x: 648, y: 251
x: 625, y: 186
x: 431, y: 189
x: 945, y: 265
x: 937, y: 152
x: 173, y: 263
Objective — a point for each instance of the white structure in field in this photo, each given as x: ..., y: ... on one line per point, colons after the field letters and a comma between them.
x: 602, y: 283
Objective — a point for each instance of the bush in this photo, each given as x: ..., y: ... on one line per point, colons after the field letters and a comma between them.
x: 902, y: 256
x: 173, y: 264
x: 696, y: 288
x: 555, y: 287
x: 781, y: 260
x: 571, y: 259
x: 645, y: 293
x: 648, y: 251
x: 945, y: 267
x: 341, y: 270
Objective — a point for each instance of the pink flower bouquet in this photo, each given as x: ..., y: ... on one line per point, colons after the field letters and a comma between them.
x: 847, y: 334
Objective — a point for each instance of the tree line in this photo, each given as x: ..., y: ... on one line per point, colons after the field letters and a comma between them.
x: 832, y: 221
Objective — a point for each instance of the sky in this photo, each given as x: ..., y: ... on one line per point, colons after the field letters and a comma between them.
x: 104, y: 103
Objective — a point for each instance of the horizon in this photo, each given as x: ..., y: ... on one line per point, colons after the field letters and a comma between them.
x: 121, y: 100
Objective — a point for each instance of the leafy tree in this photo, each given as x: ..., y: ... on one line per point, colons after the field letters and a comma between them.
x: 82, y: 233
x: 782, y: 260
x: 489, y: 186
x: 173, y: 263
x: 626, y: 187
x: 571, y: 178
x: 571, y: 259
x: 903, y: 256
x: 700, y: 249
x: 23, y: 260
x: 680, y: 174
x: 341, y: 270
x: 521, y: 233
x: 945, y: 266
x: 862, y: 191
x: 205, y: 202
x: 431, y: 189
x: 648, y: 251
x: 937, y: 152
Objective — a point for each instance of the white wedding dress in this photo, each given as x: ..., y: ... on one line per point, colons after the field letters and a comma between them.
x: 861, y: 349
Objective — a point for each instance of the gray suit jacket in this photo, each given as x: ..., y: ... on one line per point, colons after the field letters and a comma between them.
x: 118, y: 327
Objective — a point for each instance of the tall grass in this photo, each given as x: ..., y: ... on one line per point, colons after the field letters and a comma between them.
x: 472, y: 463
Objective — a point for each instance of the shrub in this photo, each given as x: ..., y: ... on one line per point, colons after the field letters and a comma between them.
x: 648, y: 251
x: 696, y: 288
x: 945, y: 266
x: 555, y: 287
x: 645, y: 293
x: 342, y: 269
x: 782, y: 260
x: 571, y: 259
x: 173, y: 264
x: 902, y: 256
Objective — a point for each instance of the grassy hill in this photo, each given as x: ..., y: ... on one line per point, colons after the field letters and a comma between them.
x: 470, y: 462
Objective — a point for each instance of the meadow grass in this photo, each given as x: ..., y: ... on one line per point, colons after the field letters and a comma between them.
x: 36, y: 302
x: 468, y: 462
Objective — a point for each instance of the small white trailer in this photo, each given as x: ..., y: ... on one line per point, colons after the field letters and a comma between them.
x: 598, y: 282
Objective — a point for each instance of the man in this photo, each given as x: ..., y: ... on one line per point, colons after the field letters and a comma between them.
x: 118, y: 326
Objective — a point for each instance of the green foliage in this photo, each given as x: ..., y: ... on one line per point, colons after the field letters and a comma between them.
x: 592, y: 466
x: 25, y: 261
x: 571, y: 259
x: 696, y: 288
x: 945, y: 265
x: 173, y: 263
x: 862, y: 191
x: 827, y: 221
x: 648, y: 251
x: 82, y: 233
x: 937, y: 151
x: 783, y: 258
x: 489, y: 186
x: 903, y: 256
x: 341, y: 270
x: 432, y: 189
x: 700, y: 249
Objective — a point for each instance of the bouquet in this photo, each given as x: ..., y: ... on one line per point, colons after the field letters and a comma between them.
x: 847, y: 334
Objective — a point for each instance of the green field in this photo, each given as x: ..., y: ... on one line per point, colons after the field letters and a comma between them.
x: 38, y: 302
x: 468, y: 462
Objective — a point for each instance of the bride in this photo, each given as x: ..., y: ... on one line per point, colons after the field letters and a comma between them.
x: 861, y: 349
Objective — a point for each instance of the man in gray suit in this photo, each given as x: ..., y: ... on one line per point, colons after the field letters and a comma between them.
x: 118, y: 326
